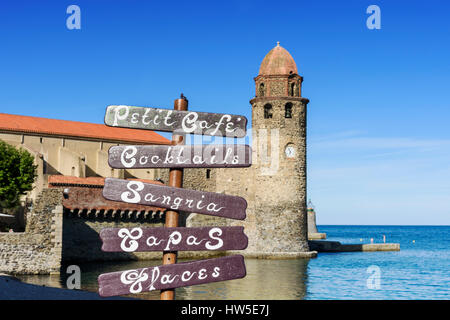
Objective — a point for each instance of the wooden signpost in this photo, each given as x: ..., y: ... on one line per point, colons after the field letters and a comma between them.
x: 172, y: 238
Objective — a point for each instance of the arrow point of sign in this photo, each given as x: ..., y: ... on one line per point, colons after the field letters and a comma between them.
x: 245, y: 244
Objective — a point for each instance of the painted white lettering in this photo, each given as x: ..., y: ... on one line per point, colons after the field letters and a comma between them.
x: 202, y: 274
x: 134, y: 117
x: 190, y: 120
x: 167, y: 119
x: 212, y: 233
x: 155, y: 159
x: 219, y: 124
x: 166, y: 200
x: 126, y: 234
x: 176, y: 203
x: 133, y: 196
x: 169, y: 158
x: 143, y: 160
x: 150, y: 197
x: 189, y: 203
x: 213, y: 207
x: 197, y: 159
x: 228, y: 154
x: 134, y: 278
x: 145, y: 116
x: 216, y: 272
x: 155, y: 276
x: 153, y: 241
x: 167, y: 279
x: 187, y: 274
x: 192, y: 240
x: 118, y: 116
x: 174, y: 238
x: 127, y: 154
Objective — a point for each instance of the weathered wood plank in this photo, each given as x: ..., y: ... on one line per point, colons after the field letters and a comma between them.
x: 213, y: 124
x: 171, y: 276
x: 173, y: 239
x: 209, y: 203
x: 79, y: 198
x: 181, y: 156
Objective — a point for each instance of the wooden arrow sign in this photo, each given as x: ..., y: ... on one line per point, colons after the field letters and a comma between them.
x: 209, y: 203
x: 173, y: 239
x: 181, y: 156
x: 171, y: 276
x: 213, y: 124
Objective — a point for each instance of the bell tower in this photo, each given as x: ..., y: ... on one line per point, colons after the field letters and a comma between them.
x: 279, y: 145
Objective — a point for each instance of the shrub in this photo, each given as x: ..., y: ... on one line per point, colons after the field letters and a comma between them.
x: 17, y: 174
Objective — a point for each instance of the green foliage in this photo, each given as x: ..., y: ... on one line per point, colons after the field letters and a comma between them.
x: 17, y: 174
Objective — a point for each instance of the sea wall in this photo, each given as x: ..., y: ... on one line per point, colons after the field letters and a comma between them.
x: 38, y: 249
x: 81, y: 239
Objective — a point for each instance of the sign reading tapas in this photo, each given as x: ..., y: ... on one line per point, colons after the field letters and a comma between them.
x: 203, y: 202
x: 171, y: 276
x: 173, y: 239
x: 181, y: 156
x: 212, y: 124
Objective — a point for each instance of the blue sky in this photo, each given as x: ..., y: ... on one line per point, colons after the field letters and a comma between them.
x: 378, y: 120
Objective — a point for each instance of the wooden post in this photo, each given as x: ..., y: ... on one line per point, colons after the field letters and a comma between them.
x: 175, y: 180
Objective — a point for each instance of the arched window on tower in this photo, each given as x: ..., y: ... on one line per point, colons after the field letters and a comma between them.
x: 288, y: 110
x: 268, y: 111
x: 261, y: 90
x: 291, y: 89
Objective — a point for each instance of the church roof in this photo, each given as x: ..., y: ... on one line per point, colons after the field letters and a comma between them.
x: 45, y: 126
x: 278, y: 62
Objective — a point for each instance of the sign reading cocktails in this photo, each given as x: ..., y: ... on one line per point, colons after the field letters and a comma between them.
x: 185, y: 156
x: 212, y: 124
x: 172, y: 238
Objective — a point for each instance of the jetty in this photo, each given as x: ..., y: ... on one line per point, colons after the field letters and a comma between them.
x: 316, y: 242
x: 336, y: 246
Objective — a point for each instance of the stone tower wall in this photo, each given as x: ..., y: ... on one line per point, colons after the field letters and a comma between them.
x: 279, y: 181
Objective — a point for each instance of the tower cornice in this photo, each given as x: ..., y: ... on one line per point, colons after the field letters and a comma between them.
x: 278, y: 76
x: 268, y: 99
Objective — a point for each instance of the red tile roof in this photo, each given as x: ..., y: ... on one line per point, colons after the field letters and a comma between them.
x: 27, y: 124
x: 59, y: 180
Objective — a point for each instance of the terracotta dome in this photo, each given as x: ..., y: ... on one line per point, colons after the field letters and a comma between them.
x: 278, y: 62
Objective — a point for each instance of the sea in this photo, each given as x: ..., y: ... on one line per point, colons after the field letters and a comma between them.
x: 419, y: 271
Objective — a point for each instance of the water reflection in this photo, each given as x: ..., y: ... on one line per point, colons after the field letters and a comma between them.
x: 266, y: 279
